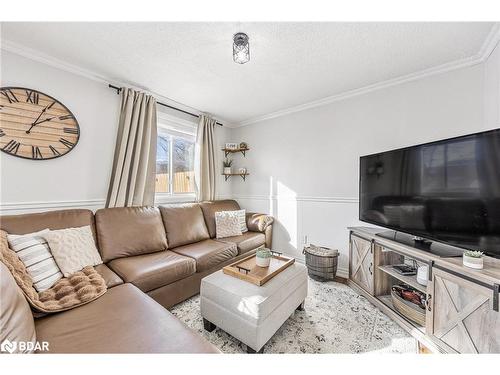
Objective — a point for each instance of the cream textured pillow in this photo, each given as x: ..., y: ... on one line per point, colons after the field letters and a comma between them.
x: 227, y: 224
x: 73, y: 249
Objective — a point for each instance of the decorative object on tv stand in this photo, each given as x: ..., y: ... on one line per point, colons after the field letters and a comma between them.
x: 422, y: 275
x: 241, y: 48
x: 321, y: 262
x: 34, y: 125
x: 473, y: 259
x: 227, y: 166
x: 263, y: 257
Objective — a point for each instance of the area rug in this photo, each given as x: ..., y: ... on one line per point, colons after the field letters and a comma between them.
x: 336, y: 319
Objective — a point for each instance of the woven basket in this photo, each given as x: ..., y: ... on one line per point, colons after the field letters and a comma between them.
x: 408, y: 309
x: 321, y: 262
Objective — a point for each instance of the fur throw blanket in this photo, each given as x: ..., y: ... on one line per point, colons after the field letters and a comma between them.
x: 78, y: 289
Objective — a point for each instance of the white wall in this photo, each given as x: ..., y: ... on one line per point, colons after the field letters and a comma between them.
x: 307, y: 162
x: 81, y: 177
x: 492, y: 89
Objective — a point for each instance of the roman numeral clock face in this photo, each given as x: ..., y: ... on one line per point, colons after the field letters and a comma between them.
x: 34, y: 125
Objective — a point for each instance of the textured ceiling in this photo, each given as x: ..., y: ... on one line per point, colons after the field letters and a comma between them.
x: 291, y: 63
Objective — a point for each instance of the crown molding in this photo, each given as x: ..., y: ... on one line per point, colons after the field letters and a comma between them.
x: 43, y: 58
x: 463, y: 63
x: 490, y: 42
x: 485, y: 51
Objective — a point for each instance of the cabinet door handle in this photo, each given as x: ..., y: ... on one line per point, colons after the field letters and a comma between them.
x: 370, y: 268
x: 428, y: 302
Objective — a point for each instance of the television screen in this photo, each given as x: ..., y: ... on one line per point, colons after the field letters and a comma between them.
x: 448, y: 191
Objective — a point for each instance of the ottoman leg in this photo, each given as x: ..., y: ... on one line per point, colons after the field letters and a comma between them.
x: 301, y: 306
x: 209, y: 326
x: 252, y: 351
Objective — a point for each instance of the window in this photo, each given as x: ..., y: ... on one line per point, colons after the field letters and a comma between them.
x: 174, y: 159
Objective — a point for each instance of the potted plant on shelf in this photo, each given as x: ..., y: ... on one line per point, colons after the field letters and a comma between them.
x: 473, y: 259
x: 227, y: 166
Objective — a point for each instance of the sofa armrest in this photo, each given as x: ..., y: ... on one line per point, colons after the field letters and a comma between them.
x: 258, y: 222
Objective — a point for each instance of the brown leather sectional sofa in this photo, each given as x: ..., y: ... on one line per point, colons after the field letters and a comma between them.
x: 159, y: 252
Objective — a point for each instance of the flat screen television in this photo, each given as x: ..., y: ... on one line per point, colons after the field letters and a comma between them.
x: 446, y: 191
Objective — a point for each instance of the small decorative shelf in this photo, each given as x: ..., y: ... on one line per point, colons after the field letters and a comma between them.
x: 242, y: 175
x: 228, y: 151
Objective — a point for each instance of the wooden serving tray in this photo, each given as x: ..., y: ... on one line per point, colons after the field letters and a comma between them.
x: 246, y: 269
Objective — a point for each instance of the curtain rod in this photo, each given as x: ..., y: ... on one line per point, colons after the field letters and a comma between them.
x: 118, y: 89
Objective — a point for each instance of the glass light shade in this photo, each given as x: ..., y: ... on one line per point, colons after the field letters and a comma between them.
x: 241, y: 48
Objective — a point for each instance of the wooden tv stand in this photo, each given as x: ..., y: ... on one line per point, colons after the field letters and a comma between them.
x: 462, y: 312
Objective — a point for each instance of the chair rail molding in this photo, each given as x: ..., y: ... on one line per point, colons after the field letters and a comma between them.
x: 298, y: 198
x: 26, y: 207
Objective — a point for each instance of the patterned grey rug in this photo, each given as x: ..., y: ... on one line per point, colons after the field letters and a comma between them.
x: 336, y: 319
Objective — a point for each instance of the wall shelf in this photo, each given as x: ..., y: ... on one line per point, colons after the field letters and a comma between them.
x: 228, y: 151
x: 242, y: 175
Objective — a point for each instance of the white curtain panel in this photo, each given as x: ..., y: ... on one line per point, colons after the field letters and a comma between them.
x: 205, y: 159
x: 134, y: 166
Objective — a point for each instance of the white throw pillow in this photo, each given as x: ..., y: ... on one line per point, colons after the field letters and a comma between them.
x: 35, y: 254
x: 73, y: 249
x: 227, y: 224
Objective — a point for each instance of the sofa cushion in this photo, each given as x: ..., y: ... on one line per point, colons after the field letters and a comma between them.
x: 27, y: 223
x: 129, y: 231
x: 208, y: 253
x: 246, y: 242
x: 151, y: 271
x: 184, y: 224
x: 16, y: 318
x: 124, y: 320
x: 211, y: 207
x: 110, y: 278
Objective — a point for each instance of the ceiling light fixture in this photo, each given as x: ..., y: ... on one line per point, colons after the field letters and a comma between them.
x: 241, y: 48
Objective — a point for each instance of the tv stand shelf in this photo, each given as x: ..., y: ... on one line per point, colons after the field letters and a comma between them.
x: 387, y: 300
x: 462, y: 305
x: 409, y: 280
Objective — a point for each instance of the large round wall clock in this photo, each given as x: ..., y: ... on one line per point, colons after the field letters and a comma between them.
x: 34, y: 125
